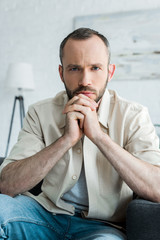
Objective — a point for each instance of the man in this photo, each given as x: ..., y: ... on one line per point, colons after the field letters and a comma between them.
x: 92, y: 148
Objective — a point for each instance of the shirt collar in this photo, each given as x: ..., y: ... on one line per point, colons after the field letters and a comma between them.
x: 103, y: 111
x: 63, y: 116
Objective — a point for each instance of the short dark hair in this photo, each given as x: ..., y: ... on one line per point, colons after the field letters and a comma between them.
x: 82, y: 34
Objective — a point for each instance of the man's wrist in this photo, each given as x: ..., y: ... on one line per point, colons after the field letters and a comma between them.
x: 68, y: 141
x: 100, y: 137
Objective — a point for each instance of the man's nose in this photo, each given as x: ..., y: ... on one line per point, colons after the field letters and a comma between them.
x: 85, y: 79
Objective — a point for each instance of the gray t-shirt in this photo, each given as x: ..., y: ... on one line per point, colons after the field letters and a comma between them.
x: 78, y: 195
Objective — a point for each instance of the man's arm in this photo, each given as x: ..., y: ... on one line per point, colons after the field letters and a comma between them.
x: 20, y: 176
x: 142, y: 177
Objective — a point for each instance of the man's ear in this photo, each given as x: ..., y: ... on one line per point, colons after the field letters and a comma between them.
x: 61, y: 72
x: 111, y: 71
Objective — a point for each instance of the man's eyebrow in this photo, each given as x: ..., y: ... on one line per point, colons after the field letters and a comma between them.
x: 79, y: 66
x: 72, y: 66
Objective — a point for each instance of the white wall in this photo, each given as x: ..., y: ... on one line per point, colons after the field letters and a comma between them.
x: 31, y: 31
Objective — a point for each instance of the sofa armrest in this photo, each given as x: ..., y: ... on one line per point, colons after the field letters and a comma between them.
x: 143, y: 220
x: 1, y: 160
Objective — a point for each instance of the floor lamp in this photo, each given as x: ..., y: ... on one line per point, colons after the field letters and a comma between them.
x: 19, y: 76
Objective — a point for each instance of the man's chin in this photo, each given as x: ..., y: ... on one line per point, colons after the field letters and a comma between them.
x: 94, y: 97
x: 88, y: 94
x: 91, y: 95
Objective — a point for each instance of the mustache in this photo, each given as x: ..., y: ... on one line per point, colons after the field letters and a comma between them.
x: 82, y: 88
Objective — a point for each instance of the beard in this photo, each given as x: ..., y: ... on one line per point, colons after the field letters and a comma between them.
x: 72, y: 93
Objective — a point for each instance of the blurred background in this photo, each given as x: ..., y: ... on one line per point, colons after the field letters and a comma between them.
x: 31, y: 32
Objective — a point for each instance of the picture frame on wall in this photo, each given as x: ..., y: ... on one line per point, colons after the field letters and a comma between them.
x: 134, y: 38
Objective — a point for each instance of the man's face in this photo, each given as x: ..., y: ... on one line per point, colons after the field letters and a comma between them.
x: 85, y: 68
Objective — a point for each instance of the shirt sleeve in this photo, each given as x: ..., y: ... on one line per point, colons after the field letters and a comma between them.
x: 30, y: 139
x: 142, y: 140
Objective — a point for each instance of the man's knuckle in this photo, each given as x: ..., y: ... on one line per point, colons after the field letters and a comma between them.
x: 88, y: 109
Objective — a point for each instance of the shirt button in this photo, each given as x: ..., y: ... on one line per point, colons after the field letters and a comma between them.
x: 74, y: 177
x: 78, y: 150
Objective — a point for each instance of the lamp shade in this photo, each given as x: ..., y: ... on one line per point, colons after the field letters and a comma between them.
x: 20, y: 76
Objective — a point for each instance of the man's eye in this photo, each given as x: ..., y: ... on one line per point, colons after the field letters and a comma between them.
x: 95, y: 68
x: 74, y: 69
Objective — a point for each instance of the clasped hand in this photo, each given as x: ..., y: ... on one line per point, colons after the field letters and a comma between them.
x: 81, y: 118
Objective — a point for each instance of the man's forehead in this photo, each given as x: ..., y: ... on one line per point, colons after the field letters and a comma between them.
x: 91, y: 40
x: 92, y: 46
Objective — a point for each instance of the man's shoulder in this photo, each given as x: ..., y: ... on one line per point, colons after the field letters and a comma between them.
x: 58, y: 100
x: 124, y: 103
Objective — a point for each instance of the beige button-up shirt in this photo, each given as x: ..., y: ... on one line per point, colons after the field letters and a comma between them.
x: 127, y: 123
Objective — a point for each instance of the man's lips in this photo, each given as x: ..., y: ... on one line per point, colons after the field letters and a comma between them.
x: 87, y: 93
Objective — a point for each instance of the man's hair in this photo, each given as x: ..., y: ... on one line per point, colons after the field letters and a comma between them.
x: 82, y: 34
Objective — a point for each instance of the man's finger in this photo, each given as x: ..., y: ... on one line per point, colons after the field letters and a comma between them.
x: 83, y: 96
x: 82, y: 101
x: 78, y: 108
x: 77, y: 116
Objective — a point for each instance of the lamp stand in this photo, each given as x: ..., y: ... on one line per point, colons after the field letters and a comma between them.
x: 22, y: 114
